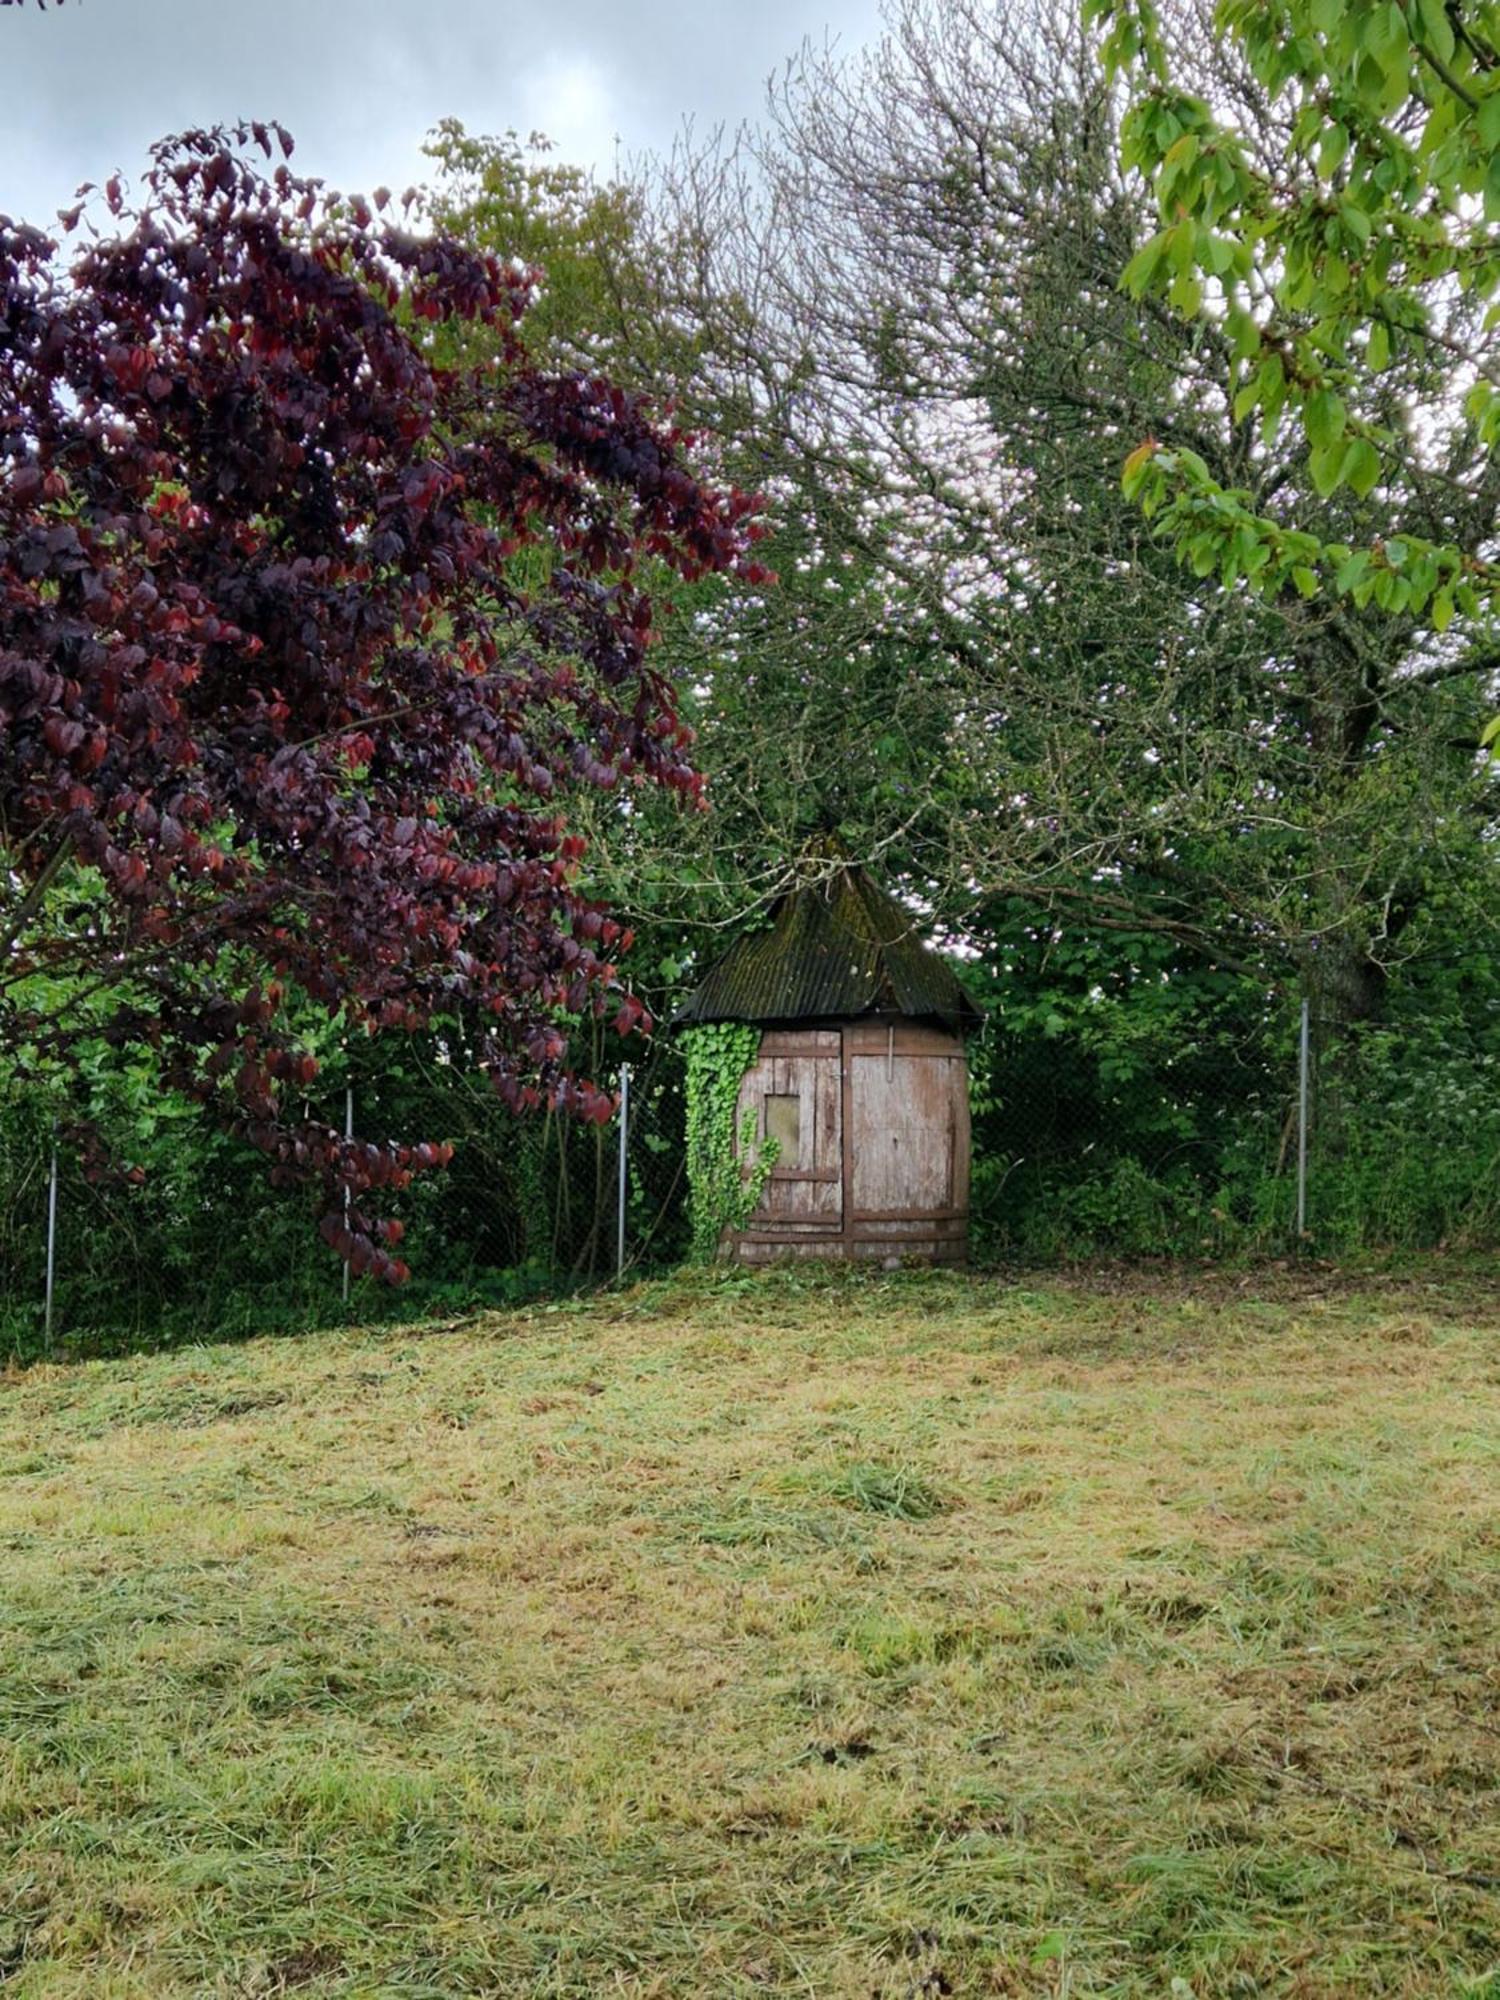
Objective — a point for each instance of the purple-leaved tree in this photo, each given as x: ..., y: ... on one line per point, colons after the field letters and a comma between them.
x: 305, y: 636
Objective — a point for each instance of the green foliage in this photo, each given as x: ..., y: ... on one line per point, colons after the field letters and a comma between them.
x: 1127, y: 1098
x: 579, y: 235
x: 1406, y: 1140
x: 818, y: 704
x: 725, y: 1180
x: 183, y: 1237
x: 1350, y: 274
x: 1130, y: 1101
x: 1006, y: 684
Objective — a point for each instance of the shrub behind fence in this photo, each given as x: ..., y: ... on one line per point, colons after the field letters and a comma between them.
x: 1077, y: 1154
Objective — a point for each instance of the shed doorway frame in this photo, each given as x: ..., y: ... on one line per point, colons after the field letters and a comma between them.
x: 853, y: 1192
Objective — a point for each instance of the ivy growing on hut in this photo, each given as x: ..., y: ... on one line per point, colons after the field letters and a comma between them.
x: 724, y: 1185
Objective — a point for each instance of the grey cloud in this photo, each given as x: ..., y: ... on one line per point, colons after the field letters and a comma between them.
x: 86, y: 86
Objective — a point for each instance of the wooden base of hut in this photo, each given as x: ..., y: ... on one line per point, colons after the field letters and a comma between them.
x: 871, y: 1120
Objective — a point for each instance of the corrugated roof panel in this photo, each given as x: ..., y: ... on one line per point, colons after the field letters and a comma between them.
x: 836, y: 948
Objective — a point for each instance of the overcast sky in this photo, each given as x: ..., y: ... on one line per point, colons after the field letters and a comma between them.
x: 86, y: 85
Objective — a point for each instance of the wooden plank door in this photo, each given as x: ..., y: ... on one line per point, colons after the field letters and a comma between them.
x: 792, y: 1093
x: 908, y: 1125
x: 903, y: 1135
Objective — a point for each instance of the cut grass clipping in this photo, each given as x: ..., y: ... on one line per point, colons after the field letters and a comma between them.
x: 880, y: 1489
x: 804, y: 1634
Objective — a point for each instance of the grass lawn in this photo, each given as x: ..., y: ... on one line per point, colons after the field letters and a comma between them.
x: 787, y: 1634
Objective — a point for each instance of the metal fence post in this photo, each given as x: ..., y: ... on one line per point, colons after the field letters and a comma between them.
x: 348, y: 1136
x: 51, y: 1247
x: 624, y: 1169
x: 1303, y: 1066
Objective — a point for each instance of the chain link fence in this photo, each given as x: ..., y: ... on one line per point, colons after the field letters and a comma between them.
x: 1290, y: 1134
x: 201, y: 1243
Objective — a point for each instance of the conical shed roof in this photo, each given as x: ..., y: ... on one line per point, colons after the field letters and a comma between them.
x: 836, y: 948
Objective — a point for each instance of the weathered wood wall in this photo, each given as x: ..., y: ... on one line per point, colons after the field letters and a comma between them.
x: 880, y: 1165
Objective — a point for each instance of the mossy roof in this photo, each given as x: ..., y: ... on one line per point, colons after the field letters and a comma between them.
x: 836, y: 948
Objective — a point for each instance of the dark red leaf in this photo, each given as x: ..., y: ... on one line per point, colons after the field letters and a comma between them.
x: 276, y: 729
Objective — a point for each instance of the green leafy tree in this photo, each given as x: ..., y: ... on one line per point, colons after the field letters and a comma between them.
x: 1352, y: 271
x: 1144, y: 799
x: 895, y: 305
x: 908, y: 278
x: 818, y: 705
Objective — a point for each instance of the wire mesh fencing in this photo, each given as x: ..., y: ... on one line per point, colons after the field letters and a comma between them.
x: 1286, y: 1133
x: 1182, y: 1144
x: 542, y: 1200
x: 199, y: 1241
x: 1295, y: 1131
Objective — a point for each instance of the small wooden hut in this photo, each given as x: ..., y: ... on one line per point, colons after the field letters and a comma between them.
x: 861, y: 1078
